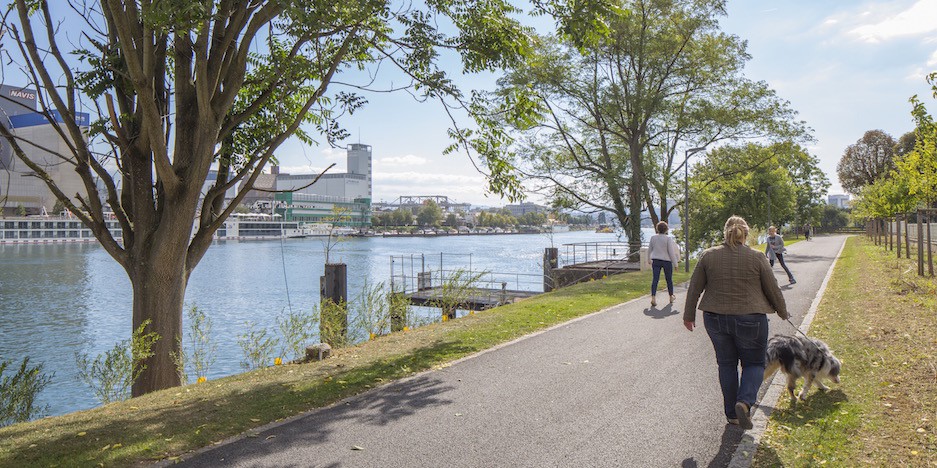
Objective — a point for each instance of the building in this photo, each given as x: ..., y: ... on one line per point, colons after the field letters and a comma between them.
x: 839, y: 201
x: 526, y: 207
x: 19, y: 188
x: 343, y: 199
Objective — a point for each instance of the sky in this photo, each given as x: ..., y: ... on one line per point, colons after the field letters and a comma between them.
x: 845, y: 66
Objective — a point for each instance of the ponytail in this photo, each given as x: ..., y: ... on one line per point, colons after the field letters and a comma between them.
x: 736, y: 231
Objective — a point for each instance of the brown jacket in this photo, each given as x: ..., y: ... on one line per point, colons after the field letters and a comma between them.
x: 738, y: 280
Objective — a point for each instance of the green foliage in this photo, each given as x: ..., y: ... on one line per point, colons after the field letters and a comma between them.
x: 257, y: 346
x: 833, y: 218
x: 372, y: 310
x: 20, y: 210
x: 742, y: 180
x: 500, y: 220
x: 111, y: 375
x: 611, y: 99
x: 456, y: 287
x: 430, y: 214
x: 296, y: 330
x: 333, y: 323
x: 18, y: 393
x: 867, y: 160
x: 200, y: 354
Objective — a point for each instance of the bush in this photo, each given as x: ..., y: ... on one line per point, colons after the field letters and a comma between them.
x: 297, y: 329
x: 112, y: 374
x: 201, y: 352
x: 257, y: 346
x: 18, y: 393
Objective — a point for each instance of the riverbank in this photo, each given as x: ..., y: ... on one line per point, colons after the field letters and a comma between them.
x: 165, y: 424
x: 878, y: 317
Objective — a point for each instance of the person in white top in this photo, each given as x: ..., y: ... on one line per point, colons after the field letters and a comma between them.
x: 662, y: 254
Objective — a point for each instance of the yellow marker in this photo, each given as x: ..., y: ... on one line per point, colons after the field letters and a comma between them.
x: 201, y: 379
x: 445, y: 318
x: 406, y: 328
x: 278, y: 362
x: 372, y: 336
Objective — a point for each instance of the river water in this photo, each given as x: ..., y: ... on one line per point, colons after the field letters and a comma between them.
x: 59, y: 300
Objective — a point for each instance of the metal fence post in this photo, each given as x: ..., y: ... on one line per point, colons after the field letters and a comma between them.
x: 920, y: 245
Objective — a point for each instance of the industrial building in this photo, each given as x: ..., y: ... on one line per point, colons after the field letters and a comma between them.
x: 343, y: 199
x: 20, y: 189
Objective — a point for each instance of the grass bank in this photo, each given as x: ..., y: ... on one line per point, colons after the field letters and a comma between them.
x: 880, y: 318
x: 166, y: 424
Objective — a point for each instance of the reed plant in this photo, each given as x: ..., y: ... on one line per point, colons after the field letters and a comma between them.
x: 296, y: 330
x: 199, y: 355
x: 372, y: 311
x: 333, y: 323
x: 455, y: 289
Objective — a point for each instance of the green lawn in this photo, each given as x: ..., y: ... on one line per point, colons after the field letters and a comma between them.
x: 880, y: 319
x: 171, y: 422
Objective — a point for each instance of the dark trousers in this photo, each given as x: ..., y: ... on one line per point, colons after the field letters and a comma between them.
x: 783, y: 265
x: 657, y: 266
x: 738, y: 339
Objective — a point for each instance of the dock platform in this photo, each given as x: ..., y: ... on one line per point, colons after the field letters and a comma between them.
x: 471, y: 299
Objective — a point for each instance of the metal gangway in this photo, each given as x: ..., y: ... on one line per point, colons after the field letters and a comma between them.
x: 452, y: 281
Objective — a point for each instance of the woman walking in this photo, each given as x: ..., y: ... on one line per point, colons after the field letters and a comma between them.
x: 740, y: 289
x: 662, y: 254
x: 775, y: 249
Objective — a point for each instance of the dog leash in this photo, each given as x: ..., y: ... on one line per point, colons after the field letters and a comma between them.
x: 804, y: 334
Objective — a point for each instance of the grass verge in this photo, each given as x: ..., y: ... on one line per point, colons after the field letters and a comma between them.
x: 879, y: 318
x: 166, y: 424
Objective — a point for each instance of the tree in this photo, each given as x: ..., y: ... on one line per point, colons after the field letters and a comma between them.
x: 452, y: 220
x: 430, y: 214
x: 833, y: 218
x: 613, y: 110
x: 179, y: 88
x: 401, y: 217
x: 763, y: 184
x: 867, y: 160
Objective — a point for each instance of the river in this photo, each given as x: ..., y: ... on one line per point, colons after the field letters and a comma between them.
x: 63, y: 299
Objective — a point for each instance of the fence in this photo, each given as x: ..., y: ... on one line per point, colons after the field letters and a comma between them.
x: 906, y: 232
x: 417, y: 272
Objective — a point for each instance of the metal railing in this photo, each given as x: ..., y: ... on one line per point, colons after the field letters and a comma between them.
x: 416, y: 272
x: 585, y: 252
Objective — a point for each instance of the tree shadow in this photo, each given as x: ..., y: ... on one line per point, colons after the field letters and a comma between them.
x: 731, y: 436
x: 185, y: 418
x: 663, y: 312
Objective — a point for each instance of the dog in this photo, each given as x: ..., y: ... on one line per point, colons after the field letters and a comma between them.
x: 798, y: 356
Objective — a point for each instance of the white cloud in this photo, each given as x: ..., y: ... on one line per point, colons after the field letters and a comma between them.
x: 406, y: 160
x: 932, y: 60
x: 333, y: 153
x: 914, y: 21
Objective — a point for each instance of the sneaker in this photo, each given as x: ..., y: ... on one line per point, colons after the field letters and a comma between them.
x: 733, y: 421
x: 672, y: 298
x: 793, y: 281
x: 745, y: 420
x: 653, y: 301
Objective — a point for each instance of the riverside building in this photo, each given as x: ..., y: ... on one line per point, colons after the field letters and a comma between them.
x: 20, y: 189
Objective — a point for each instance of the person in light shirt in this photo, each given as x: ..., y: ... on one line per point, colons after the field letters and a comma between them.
x: 662, y: 254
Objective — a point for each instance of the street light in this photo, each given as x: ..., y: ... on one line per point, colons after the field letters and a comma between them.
x: 686, y: 204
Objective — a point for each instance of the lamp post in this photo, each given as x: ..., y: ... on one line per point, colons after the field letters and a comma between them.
x: 686, y: 204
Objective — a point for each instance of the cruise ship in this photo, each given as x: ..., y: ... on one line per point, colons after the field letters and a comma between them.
x: 239, y: 226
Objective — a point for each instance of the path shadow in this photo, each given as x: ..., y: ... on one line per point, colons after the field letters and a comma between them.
x: 818, y: 405
x: 664, y: 312
x: 731, y: 436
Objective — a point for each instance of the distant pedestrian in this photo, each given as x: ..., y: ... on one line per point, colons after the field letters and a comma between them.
x: 740, y: 289
x: 775, y: 250
x: 662, y: 254
x: 806, y: 232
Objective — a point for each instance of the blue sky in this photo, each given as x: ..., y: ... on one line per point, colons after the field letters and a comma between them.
x: 846, y: 67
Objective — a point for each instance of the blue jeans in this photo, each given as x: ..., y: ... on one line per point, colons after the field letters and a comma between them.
x: 656, y: 266
x: 738, y: 338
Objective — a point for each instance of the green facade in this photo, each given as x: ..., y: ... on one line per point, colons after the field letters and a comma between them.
x: 323, y: 209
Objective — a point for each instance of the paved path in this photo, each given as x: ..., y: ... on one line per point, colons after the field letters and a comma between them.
x: 625, y: 387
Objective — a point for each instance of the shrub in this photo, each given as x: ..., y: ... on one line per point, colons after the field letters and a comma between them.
x: 112, y: 374
x: 258, y: 347
x: 18, y: 393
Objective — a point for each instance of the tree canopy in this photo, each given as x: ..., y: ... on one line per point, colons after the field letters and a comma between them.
x: 865, y: 161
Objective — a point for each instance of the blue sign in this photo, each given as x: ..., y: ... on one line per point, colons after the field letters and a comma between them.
x: 83, y: 119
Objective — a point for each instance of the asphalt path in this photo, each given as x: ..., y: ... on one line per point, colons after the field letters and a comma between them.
x: 628, y: 386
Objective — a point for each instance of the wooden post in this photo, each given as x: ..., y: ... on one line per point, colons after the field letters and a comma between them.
x: 898, y: 233
x: 333, y: 308
x: 920, y: 245
x: 907, y: 236
x: 930, y: 259
x: 551, y: 257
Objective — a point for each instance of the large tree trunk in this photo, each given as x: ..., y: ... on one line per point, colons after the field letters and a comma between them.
x: 159, y: 277
x: 633, y: 227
